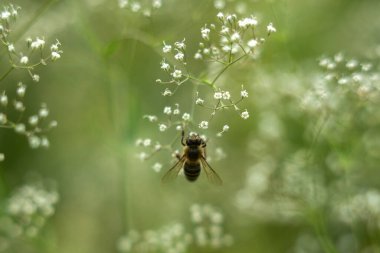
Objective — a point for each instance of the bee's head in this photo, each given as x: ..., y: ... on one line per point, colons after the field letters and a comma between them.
x: 193, y: 139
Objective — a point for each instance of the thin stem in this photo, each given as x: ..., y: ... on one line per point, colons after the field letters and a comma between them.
x: 226, y: 67
x: 7, y: 73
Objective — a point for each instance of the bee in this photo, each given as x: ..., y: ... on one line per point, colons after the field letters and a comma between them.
x: 192, y: 160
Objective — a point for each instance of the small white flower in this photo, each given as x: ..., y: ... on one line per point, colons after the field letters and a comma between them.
x: 2, y: 157
x: 218, y: 95
x: 235, y: 37
x: 3, y: 99
x: 205, y: 32
x: 53, y: 124
x: 179, y: 56
x: 226, y: 128
x: 167, y: 48
x: 20, y: 128
x: 226, y: 48
x: 178, y: 128
x: 245, y: 114
x: 220, y: 15
x: 352, y: 64
x: 157, y: 4
x: 55, y: 55
x: 177, y: 74
x: 198, y: 56
x: 206, y: 51
x: 167, y: 92
x: 176, y: 111
x: 24, y: 60
x: 244, y: 94
x: 199, y: 101
x: 19, y: 106
x: 162, y: 127
x: 34, y: 141
x: 165, y: 66
x: 247, y: 22
x: 203, y: 125
x: 226, y: 95
x: 186, y: 116
x: 45, y: 142
x: 271, y: 28
x: 5, y: 15
x: 142, y: 156
x: 38, y: 43
x: 167, y: 110
x: 11, y: 48
x: 151, y: 118
x: 135, y: 7
x: 180, y: 44
x: 146, y: 142
x: 225, y: 30
x: 252, y: 43
x: 21, y: 90
x: 157, y: 167
x: 33, y: 120
x: 43, y: 112
x: 36, y: 78
x: 123, y: 3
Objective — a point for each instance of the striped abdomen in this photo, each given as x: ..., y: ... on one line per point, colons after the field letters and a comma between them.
x: 192, y: 171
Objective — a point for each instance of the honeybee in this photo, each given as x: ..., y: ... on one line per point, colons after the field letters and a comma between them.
x: 192, y: 160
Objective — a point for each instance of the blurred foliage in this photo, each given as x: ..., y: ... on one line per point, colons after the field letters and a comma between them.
x: 300, y: 175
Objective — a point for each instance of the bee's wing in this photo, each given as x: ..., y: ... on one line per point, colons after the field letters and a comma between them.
x: 173, y: 171
x: 212, y: 176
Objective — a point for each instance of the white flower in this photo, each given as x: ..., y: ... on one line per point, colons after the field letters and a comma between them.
x: 198, y: 56
x: 247, y: 22
x: 224, y: 30
x: 55, y: 55
x: 167, y: 110
x: 245, y: 114
x: 226, y: 95
x: 252, y: 43
x: 186, y: 116
x: 34, y: 141
x: 19, y: 106
x: 123, y: 3
x: 36, y: 78
x: 3, y: 99
x: 206, y: 51
x: 20, y: 128
x: 226, y: 48
x: 33, y: 120
x: 162, y: 127
x: 157, y: 167
x: 199, y: 101
x: 226, y: 128
x: 178, y: 128
x: 235, y: 37
x: 146, y: 142
x: 135, y: 7
x: 43, y: 112
x: 21, y: 90
x: 177, y: 74
x: 165, y: 66
x: 180, y: 44
x: 176, y: 111
x: 244, y: 93
x: 2, y: 157
x: 24, y: 60
x: 218, y: 95
x: 157, y: 4
x: 38, y: 43
x: 179, y: 56
x: 271, y: 28
x: 352, y: 64
x: 5, y: 15
x: 220, y: 15
x: 151, y: 118
x: 203, y: 125
x: 166, y: 48
x: 11, y: 48
x: 205, y: 32
x: 167, y: 92
x: 45, y: 142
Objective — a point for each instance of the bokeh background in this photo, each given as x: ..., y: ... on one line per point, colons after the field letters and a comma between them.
x: 288, y: 168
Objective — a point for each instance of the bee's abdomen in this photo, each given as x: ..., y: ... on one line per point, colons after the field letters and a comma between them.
x: 192, y: 171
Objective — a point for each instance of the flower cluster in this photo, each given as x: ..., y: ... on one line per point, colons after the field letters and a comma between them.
x: 26, y: 211
x: 139, y: 6
x: 176, y: 238
x: 231, y: 39
x: 35, y: 52
x: 342, y: 77
x: 34, y: 127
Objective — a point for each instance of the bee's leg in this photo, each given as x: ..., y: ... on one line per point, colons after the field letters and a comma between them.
x: 204, y: 149
x: 183, y: 136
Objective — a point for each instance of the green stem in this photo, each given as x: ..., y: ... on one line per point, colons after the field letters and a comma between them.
x: 226, y: 67
x: 6, y: 73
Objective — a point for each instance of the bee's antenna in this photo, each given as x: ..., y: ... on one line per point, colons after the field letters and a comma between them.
x: 183, y: 136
